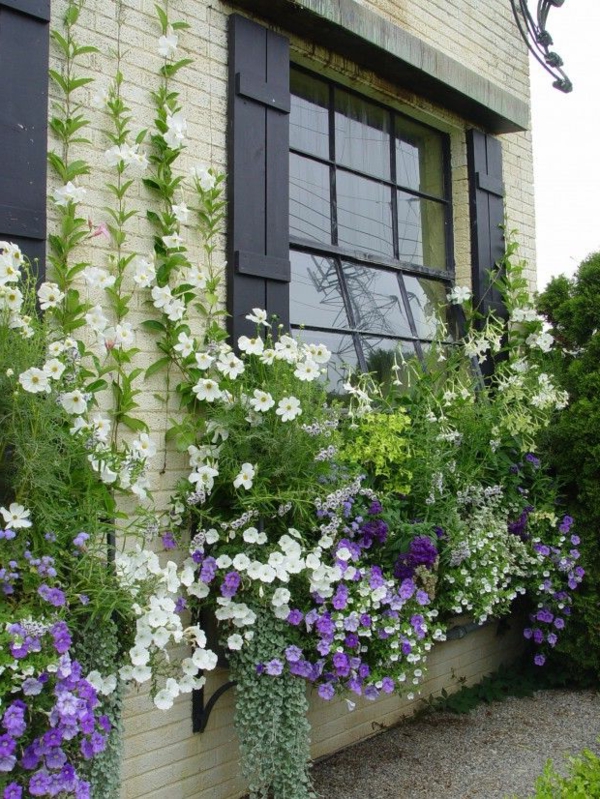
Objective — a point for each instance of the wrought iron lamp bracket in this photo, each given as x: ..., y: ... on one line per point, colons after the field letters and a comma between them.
x: 539, y: 41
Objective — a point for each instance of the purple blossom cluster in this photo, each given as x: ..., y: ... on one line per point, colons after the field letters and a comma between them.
x: 554, y: 607
x: 422, y: 552
x: 53, y: 720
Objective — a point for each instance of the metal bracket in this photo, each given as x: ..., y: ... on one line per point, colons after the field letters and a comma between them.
x: 201, y: 711
x: 539, y: 41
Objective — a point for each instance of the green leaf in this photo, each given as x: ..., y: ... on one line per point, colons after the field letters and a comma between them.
x: 157, y: 366
x: 97, y: 385
x: 134, y: 424
x: 154, y: 326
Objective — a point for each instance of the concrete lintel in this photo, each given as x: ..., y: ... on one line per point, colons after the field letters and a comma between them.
x: 363, y: 36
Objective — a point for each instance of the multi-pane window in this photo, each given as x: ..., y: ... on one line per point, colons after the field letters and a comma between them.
x: 370, y: 226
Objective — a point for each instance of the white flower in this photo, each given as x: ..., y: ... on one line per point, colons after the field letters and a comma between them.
x: 286, y: 349
x: 207, y: 390
x: 203, y: 176
x: 143, y: 447
x: 280, y: 597
x: 230, y: 365
x: 459, y: 294
x: 95, y: 277
x: 144, y: 273
x: 9, y: 271
x: 245, y: 477
x: 262, y: 401
x: 258, y: 316
x: 101, y: 426
x: 253, y: 346
x: 203, y: 360
x: 113, y: 156
x: 319, y: 353
x: 163, y: 699
x: 288, y: 408
x: 181, y: 212
x: 176, y: 130
x: 69, y: 193
x: 139, y: 655
x: 175, y: 309
x: 124, y: 336
x: 35, y: 381
x: 196, y: 277
x: 54, y: 368
x: 306, y: 371
x: 235, y: 641
x: 167, y: 44
x: 16, y: 517
x: 204, y: 476
x: 96, y: 319
x: 241, y: 562
x: 204, y: 659
x: 140, y: 673
x: 161, y: 296
x: 74, y: 402
x: 185, y: 346
x: 172, y: 241
x: 11, y: 298
x: 542, y: 340
x: 250, y: 535
x: 49, y: 296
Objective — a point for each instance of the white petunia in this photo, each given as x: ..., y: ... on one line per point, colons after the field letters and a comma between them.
x: 49, y: 296
x: 235, y: 642
x: 253, y: 346
x: 288, y: 408
x: 207, y: 390
x: 250, y: 535
x: 280, y: 597
x: 258, y: 316
x: 140, y: 673
x: 262, y: 401
x: 245, y: 477
x: 139, y: 655
x: 69, y: 193
x: 241, y: 562
x: 35, y: 381
x: 74, y: 402
x: 163, y: 699
x: 204, y: 659
x: 16, y: 516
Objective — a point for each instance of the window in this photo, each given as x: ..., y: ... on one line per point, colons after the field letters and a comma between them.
x: 370, y: 226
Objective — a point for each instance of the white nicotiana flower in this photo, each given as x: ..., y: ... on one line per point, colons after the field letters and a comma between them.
x: 230, y: 365
x: 261, y: 401
x: 288, y: 408
x: 144, y: 272
x: 245, y: 477
x: 253, y: 346
x: 176, y: 130
x: 69, y: 193
x: 54, y: 368
x: 49, y: 296
x: 258, y: 316
x: 167, y: 44
x: 16, y: 516
x: 74, y: 402
x: 306, y: 371
x: 181, y: 213
x: 203, y: 176
x: 459, y: 294
x: 207, y: 390
x: 35, y: 381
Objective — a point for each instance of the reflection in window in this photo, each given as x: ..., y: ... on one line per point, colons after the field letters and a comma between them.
x: 309, y: 115
x: 364, y: 214
x: 315, y: 293
x: 343, y: 355
x: 376, y: 300
x: 362, y: 135
x: 310, y: 204
x: 431, y: 312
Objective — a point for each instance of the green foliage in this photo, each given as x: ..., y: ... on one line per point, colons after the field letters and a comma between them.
x: 270, y: 717
x: 572, y: 443
x: 582, y: 780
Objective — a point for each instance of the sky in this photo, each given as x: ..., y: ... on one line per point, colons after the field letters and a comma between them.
x: 566, y: 143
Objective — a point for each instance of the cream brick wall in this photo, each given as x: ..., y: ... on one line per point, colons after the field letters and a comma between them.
x: 163, y: 760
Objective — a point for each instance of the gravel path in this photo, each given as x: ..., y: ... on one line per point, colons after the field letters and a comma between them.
x: 495, y: 751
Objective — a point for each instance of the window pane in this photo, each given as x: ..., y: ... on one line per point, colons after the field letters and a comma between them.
x: 310, y: 213
x: 362, y: 133
x: 364, y: 210
x: 343, y: 355
x: 430, y: 308
x: 419, y: 157
x: 309, y: 116
x: 376, y: 301
x: 421, y: 231
x: 383, y: 355
x: 315, y: 297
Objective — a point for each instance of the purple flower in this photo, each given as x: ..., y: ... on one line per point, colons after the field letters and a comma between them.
x: 8, y: 534
x: 325, y: 625
x: 32, y: 687
x: 30, y: 758
x: 545, y: 615
x: 13, y: 720
x: 180, y: 605
x: 293, y: 654
x: 208, y: 570
x: 231, y: 583
x: 407, y: 589
x: 53, y: 737
x: 326, y: 691
x: 54, y: 596
x: 82, y: 790
x: 351, y: 641
x: 295, y: 617
x: 559, y: 623
x: 274, y: 667
x: 528, y: 633
x: 39, y: 783
x: 371, y: 692
x: 566, y: 523
x: 104, y: 722
x: 7, y: 745
x: 575, y: 540
x: 340, y: 598
x: 422, y: 597
x: 539, y: 660
x: 375, y: 508
x: 538, y: 636
x: 168, y: 541
x: 552, y: 638
x: 55, y: 758
x: 83, y: 598
x: 535, y: 462
x: 387, y: 685
x: 80, y: 539
x: 341, y: 664
x: 12, y: 791
x: 365, y: 620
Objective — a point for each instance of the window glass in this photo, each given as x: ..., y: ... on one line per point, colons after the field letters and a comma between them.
x: 310, y: 200
x: 364, y: 214
x: 383, y: 355
x: 376, y: 302
x: 309, y: 114
x: 343, y: 355
x: 419, y: 157
x: 421, y: 231
x: 430, y: 309
x: 315, y: 296
x: 362, y: 135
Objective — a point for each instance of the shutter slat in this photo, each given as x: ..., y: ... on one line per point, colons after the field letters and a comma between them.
x: 38, y: 9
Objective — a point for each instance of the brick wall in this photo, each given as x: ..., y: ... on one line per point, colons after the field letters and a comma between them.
x: 162, y: 757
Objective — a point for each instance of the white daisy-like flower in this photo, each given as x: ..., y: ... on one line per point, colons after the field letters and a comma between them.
x: 207, y: 390
x: 167, y: 44
x: 144, y: 273
x: 35, y: 381
x: 230, y: 365
x: 55, y: 348
x: 319, y: 353
x: 306, y: 371
x: 253, y: 346
x: 49, y: 295
x: 185, y: 345
x: 54, y: 368
x: 124, y: 335
x: 288, y: 408
x: 286, y: 349
x: 204, y: 360
x: 245, y: 477
x: 9, y: 271
x: 16, y: 516
x: 262, y: 401
x: 258, y: 316
x: 11, y: 298
x: 74, y: 402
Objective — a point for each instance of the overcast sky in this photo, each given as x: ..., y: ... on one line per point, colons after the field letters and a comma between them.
x: 566, y: 143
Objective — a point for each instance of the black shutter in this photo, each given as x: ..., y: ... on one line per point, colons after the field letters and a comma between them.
x: 486, y: 193
x: 23, y: 123
x: 258, y: 173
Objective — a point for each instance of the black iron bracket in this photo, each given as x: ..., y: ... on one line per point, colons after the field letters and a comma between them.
x: 200, y: 710
x: 539, y: 41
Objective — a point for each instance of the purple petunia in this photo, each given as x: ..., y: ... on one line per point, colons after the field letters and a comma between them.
x: 12, y: 791
x: 326, y: 691
x: 231, y: 583
x: 274, y: 667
